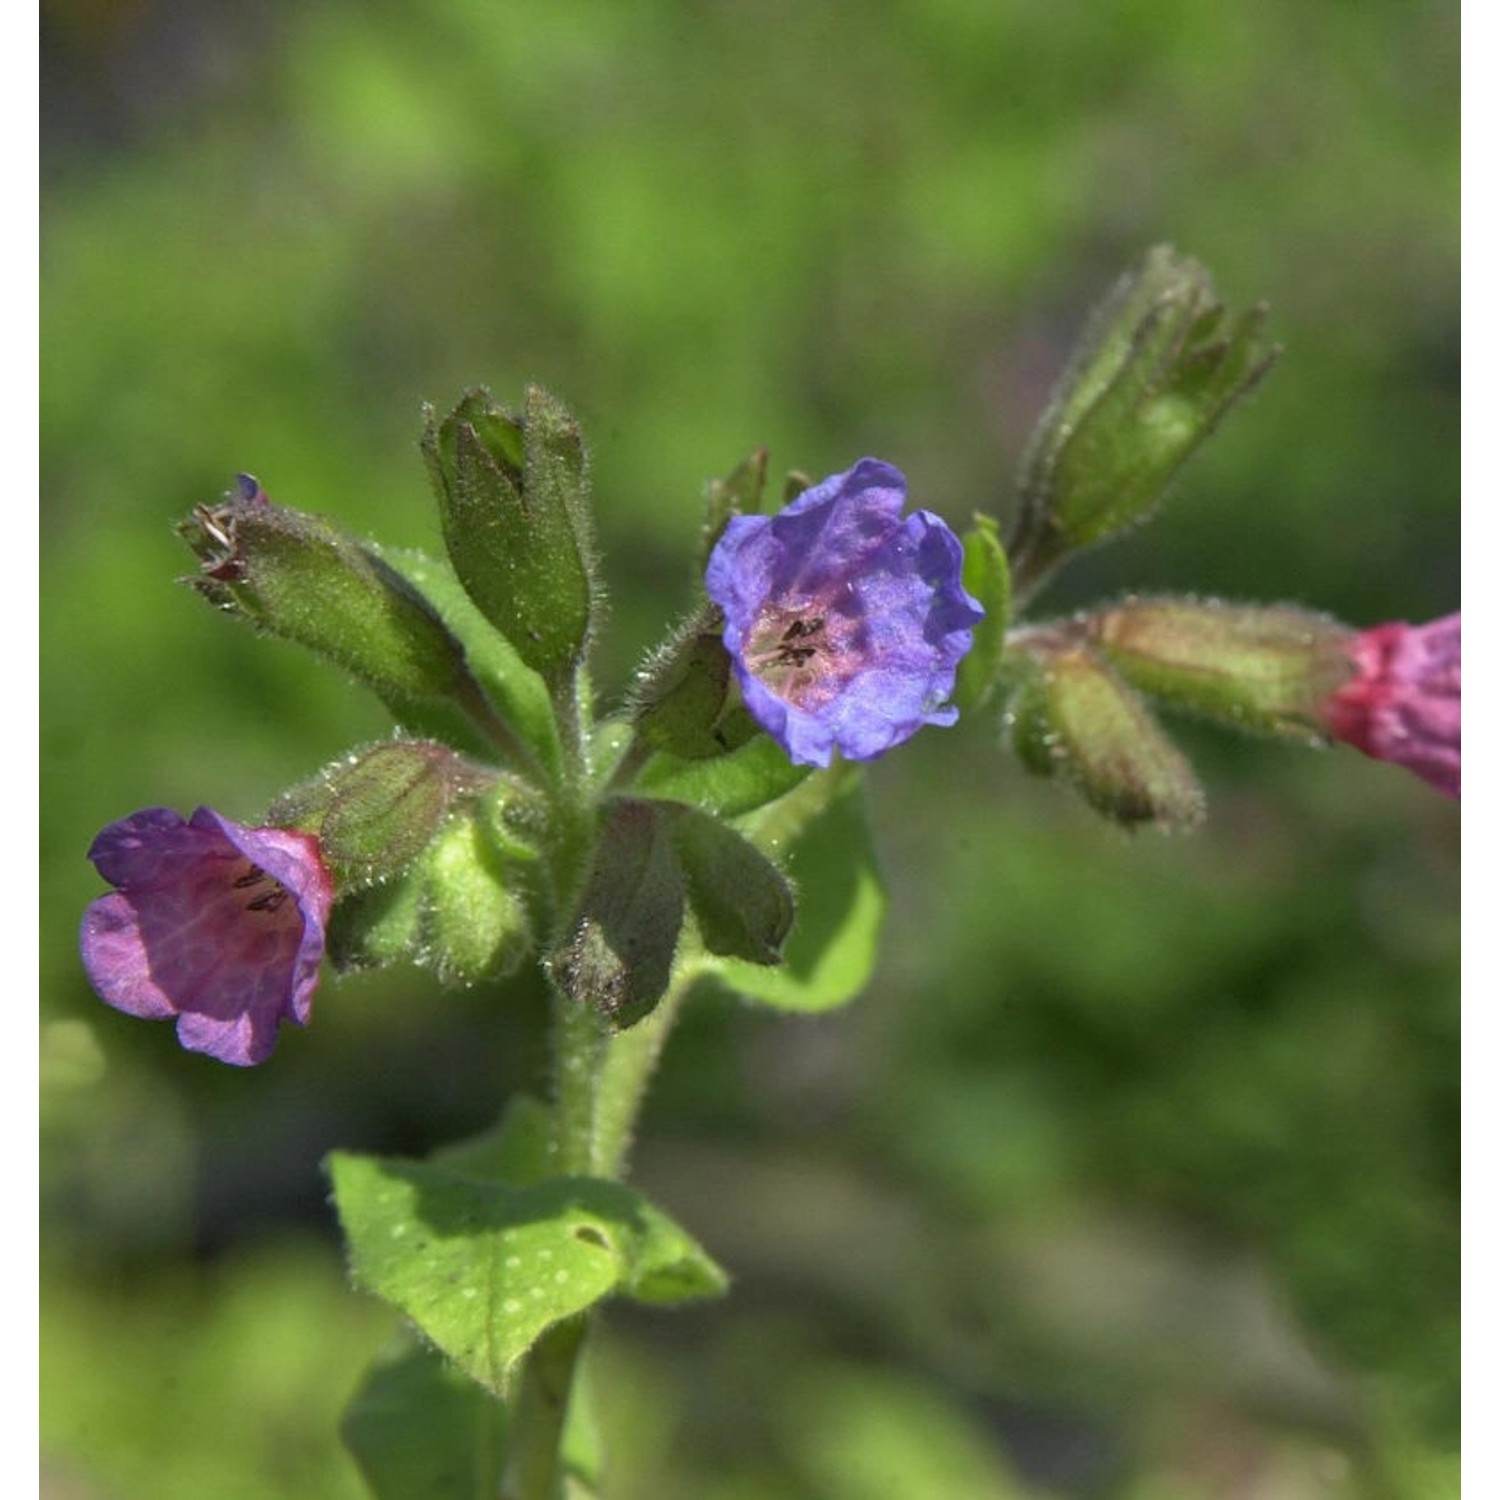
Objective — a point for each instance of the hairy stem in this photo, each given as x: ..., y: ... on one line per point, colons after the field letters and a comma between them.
x: 629, y: 1062
x: 534, y: 1463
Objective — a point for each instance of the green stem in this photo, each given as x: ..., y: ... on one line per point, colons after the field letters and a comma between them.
x: 533, y: 1466
x: 579, y: 1050
x: 473, y: 700
x: 582, y: 1053
x: 1035, y: 551
x: 629, y: 1063
x: 637, y: 753
x: 599, y: 1081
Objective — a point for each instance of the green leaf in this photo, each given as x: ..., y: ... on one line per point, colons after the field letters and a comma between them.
x: 517, y: 1150
x: 618, y: 957
x: 742, y: 903
x: 830, y: 954
x: 519, y: 694
x: 484, y: 1269
x: 420, y: 1429
x: 731, y: 785
x: 987, y: 578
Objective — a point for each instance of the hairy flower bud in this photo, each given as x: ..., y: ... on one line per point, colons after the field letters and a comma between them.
x: 298, y: 577
x: 1263, y: 668
x: 513, y: 494
x: 378, y: 808
x: 1155, y: 372
x: 1403, y: 704
x: 1071, y: 717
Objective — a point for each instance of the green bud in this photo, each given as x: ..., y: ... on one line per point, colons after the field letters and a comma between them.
x: 1070, y: 716
x: 376, y: 927
x: 377, y: 809
x: 513, y: 494
x: 474, y: 919
x: 796, y: 482
x: 1159, y: 365
x: 1267, y: 669
x: 295, y: 576
x: 741, y: 494
x: 460, y: 908
x: 987, y: 577
x: 686, y: 701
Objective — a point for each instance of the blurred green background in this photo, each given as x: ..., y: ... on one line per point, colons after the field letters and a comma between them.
x: 1134, y: 1174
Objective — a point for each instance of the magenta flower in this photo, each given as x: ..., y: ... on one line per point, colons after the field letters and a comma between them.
x: 214, y: 923
x: 845, y: 622
x: 1403, y: 703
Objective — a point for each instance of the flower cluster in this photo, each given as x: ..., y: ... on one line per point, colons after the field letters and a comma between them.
x: 219, y: 925
x: 845, y: 622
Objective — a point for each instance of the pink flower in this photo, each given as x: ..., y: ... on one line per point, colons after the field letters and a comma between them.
x: 1403, y: 703
x: 219, y: 925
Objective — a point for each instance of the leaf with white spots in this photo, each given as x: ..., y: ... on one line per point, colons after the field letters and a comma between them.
x: 485, y: 1268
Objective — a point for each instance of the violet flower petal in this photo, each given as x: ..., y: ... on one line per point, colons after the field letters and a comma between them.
x: 218, y: 924
x: 845, y: 622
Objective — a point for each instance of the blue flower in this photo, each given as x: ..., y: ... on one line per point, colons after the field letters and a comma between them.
x: 845, y: 621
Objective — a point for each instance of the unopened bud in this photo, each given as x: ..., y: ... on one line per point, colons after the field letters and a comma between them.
x: 1262, y: 668
x: 686, y: 699
x: 461, y: 909
x: 376, y: 810
x: 1403, y: 702
x: 296, y: 576
x: 1159, y: 365
x: 513, y: 493
x: 1071, y: 717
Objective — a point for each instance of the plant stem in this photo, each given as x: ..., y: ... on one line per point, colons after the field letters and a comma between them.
x: 629, y: 1063
x: 534, y: 1466
x: 513, y: 749
x: 599, y: 1081
x: 579, y: 1049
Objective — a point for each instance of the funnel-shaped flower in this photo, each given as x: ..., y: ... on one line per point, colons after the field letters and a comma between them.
x: 217, y: 924
x: 1403, y: 704
x: 845, y: 621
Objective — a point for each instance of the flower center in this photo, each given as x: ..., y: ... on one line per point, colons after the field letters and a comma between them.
x: 796, y: 651
x: 268, y: 899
